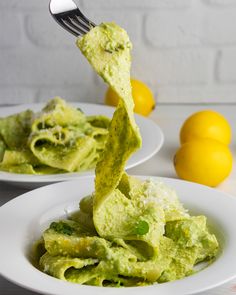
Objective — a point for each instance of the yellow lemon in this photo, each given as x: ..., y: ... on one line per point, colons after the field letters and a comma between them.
x: 143, y: 98
x: 204, y: 161
x: 206, y: 124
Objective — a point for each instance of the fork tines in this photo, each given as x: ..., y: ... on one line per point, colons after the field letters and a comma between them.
x: 74, y: 22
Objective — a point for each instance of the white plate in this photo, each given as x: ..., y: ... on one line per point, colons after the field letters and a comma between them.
x: 151, y: 134
x: 23, y: 219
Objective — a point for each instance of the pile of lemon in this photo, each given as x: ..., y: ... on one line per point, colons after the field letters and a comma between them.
x: 204, y: 156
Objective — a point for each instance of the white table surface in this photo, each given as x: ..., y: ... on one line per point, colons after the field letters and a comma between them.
x: 169, y: 118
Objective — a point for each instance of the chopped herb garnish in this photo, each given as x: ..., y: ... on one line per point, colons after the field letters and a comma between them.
x: 142, y: 228
x: 108, y: 50
x: 62, y: 228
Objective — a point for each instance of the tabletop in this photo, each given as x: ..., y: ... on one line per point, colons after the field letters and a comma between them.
x: 170, y: 119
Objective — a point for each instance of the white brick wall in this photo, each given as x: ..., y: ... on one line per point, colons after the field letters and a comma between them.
x: 109, y: 4
x: 184, y: 49
x: 227, y: 66
x: 171, y: 28
x: 221, y: 2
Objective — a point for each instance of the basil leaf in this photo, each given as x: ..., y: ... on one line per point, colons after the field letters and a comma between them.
x: 62, y: 228
x: 142, y: 228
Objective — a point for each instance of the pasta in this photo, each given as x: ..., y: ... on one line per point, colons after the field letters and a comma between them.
x: 58, y: 139
x: 146, y: 237
x: 128, y: 232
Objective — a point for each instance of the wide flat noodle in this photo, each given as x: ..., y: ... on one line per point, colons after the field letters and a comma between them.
x: 58, y: 266
x: 68, y: 156
x: 121, y: 218
x: 15, y: 129
x: 58, y: 113
x: 107, y: 47
x: 58, y: 139
x: 193, y: 243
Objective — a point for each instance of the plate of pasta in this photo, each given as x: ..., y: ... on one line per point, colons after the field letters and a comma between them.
x: 57, y: 251
x: 58, y: 141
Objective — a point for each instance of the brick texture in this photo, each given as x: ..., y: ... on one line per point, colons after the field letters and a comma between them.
x: 109, y: 4
x: 185, y: 50
x: 196, y: 94
x: 43, y: 31
x: 172, y: 28
x: 39, y: 68
x: 173, y: 67
x: 17, y: 95
x: 219, y: 27
x: 220, y: 2
x: 227, y: 66
x: 25, y: 4
x: 10, y: 30
x: 79, y: 92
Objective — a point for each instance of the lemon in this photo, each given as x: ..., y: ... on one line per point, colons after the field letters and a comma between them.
x: 204, y: 161
x: 206, y: 124
x: 143, y: 98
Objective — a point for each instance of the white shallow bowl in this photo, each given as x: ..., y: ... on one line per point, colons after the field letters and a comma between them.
x: 151, y: 133
x: 23, y: 219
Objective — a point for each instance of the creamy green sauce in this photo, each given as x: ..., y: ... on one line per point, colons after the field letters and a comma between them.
x: 107, y: 48
x: 128, y: 232
x: 58, y: 139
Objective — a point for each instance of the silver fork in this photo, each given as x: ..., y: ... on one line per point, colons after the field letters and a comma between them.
x: 69, y: 16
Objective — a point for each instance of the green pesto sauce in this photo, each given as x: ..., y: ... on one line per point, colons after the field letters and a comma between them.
x: 58, y: 139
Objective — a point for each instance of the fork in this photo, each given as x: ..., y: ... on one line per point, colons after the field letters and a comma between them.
x: 69, y: 16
